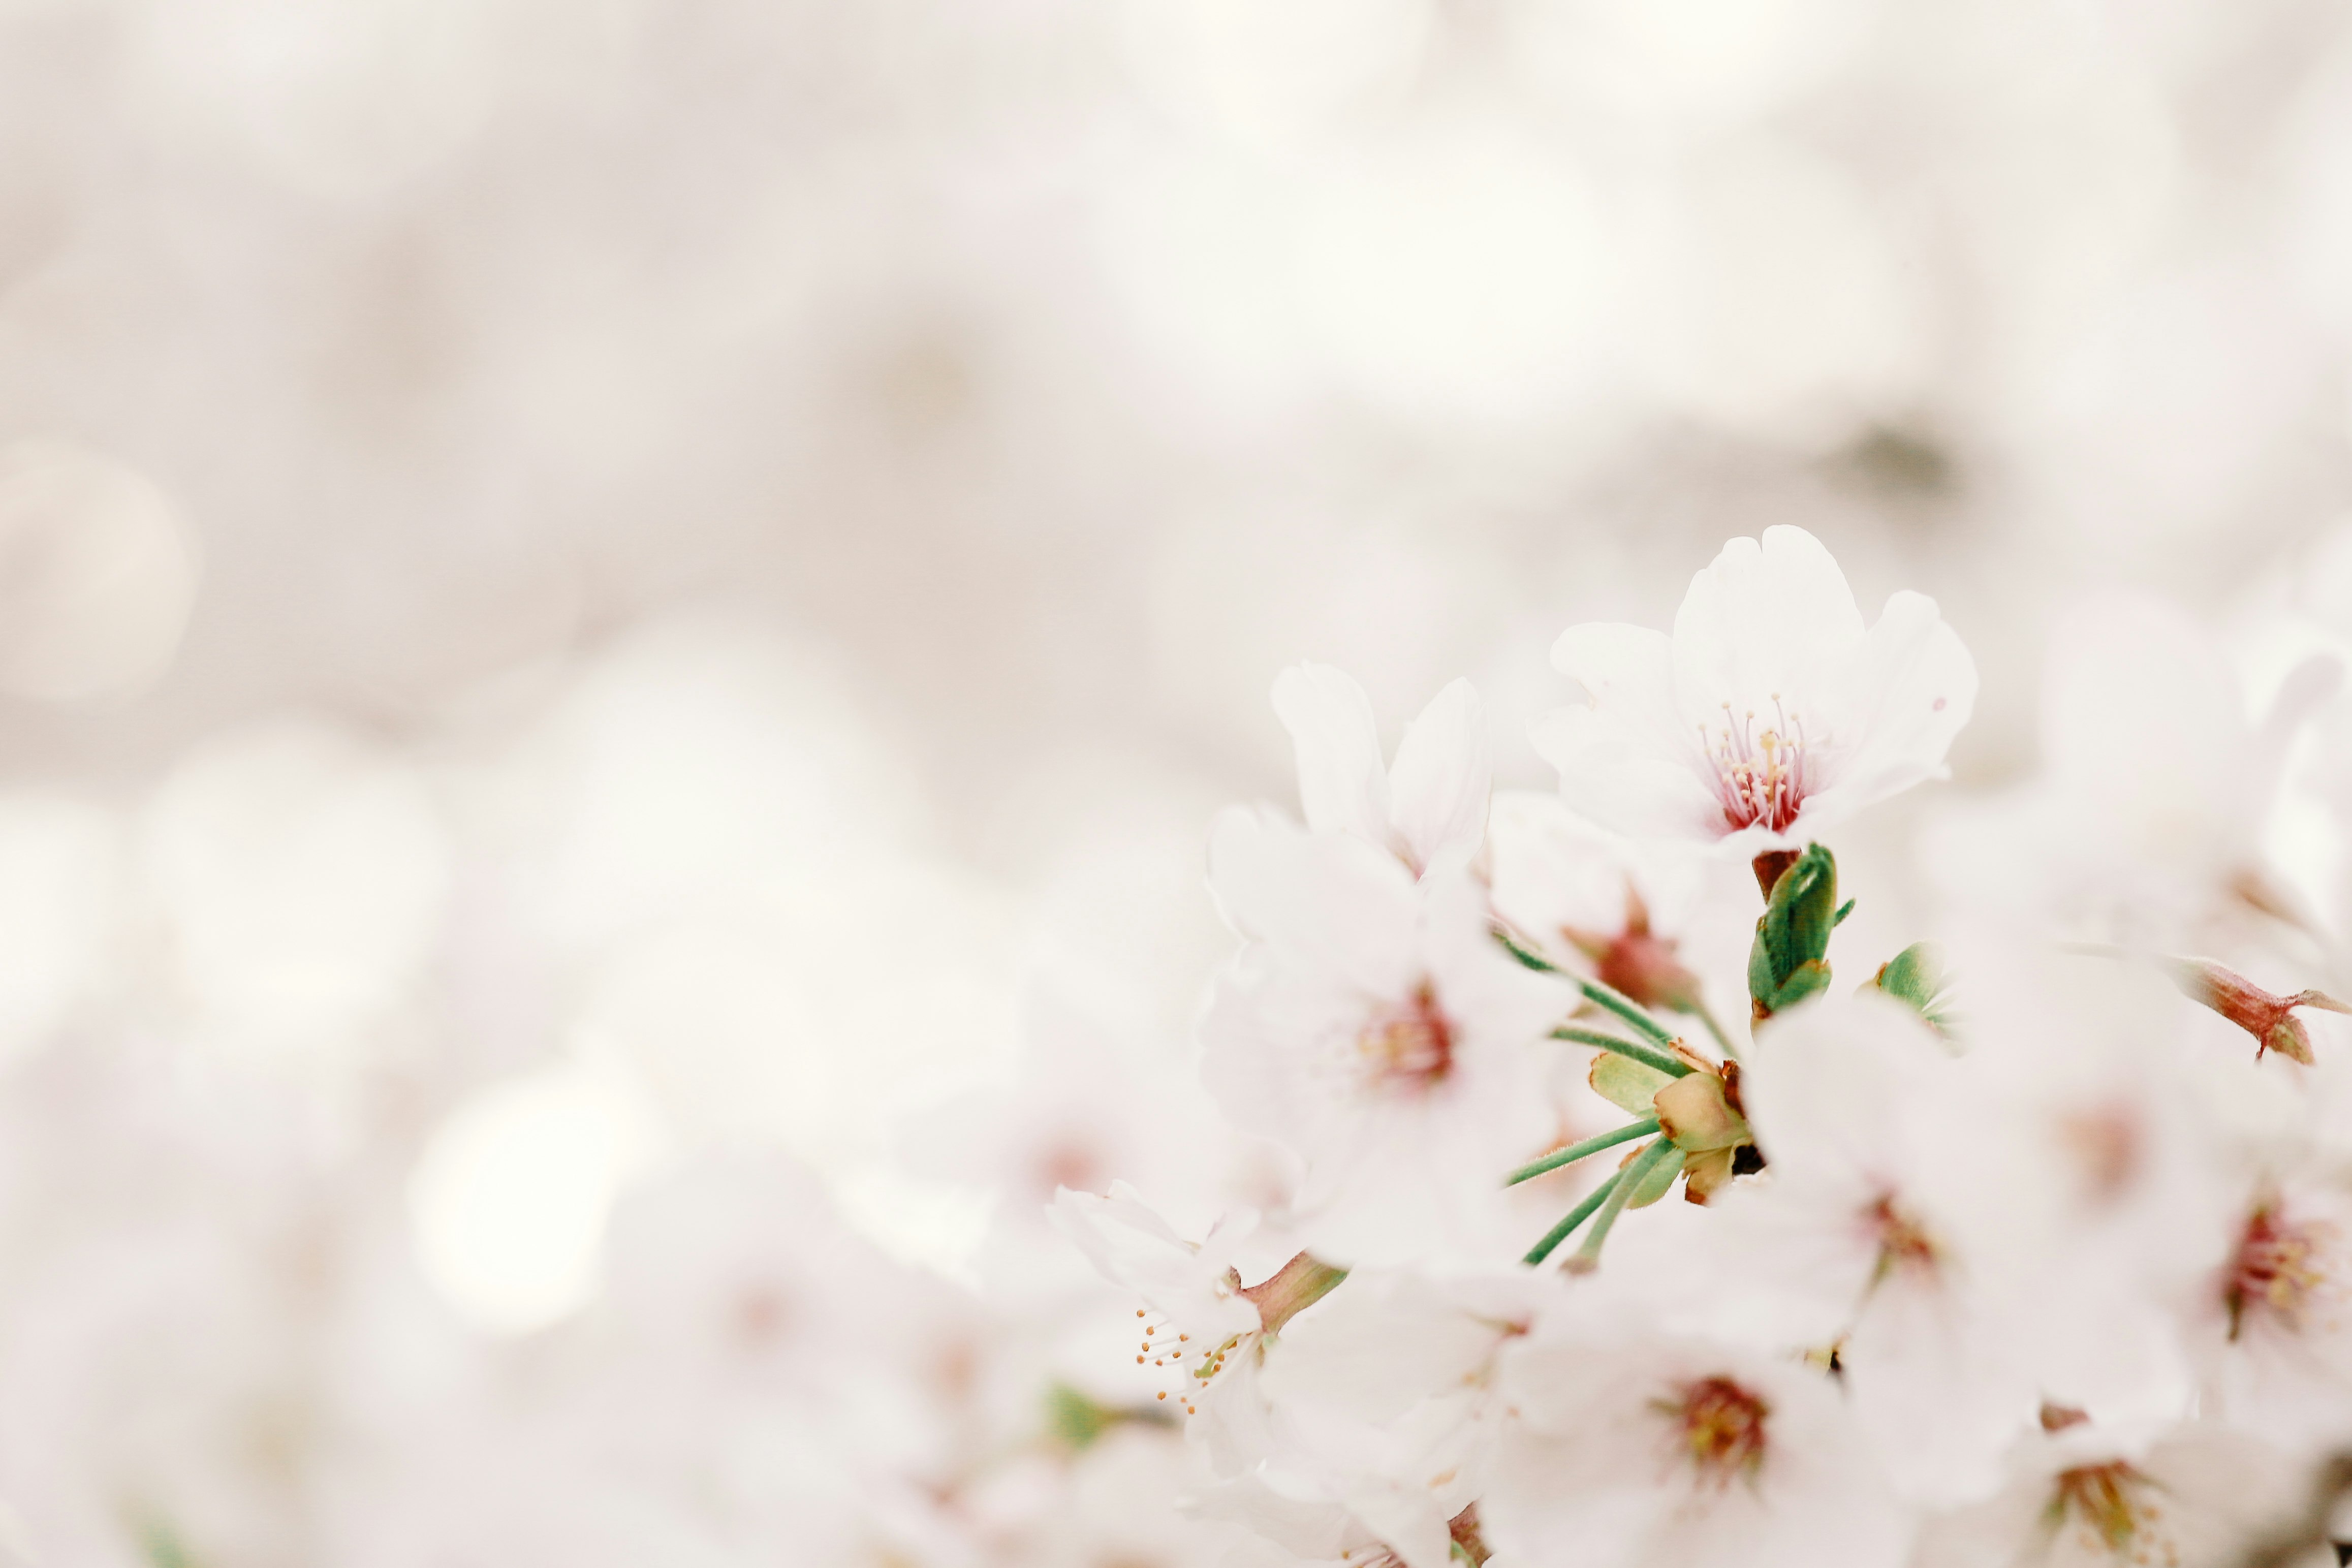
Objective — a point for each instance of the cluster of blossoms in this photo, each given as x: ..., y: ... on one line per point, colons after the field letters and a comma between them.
x: 2003, y: 1255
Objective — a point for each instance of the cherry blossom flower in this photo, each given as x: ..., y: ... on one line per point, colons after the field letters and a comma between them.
x: 1378, y: 1399
x: 1770, y: 713
x: 1192, y: 1284
x: 2081, y: 1495
x: 1589, y: 900
x: 2145, y: 826
x: 1430, y: 805
x: 1878, y: 1229
x: 1373, y: 1026
x: 1627, y: 1446
x: 2276, y: 1325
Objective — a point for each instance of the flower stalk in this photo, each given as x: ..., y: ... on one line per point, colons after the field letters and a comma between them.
x: 1635, y: 1176
x: 1575, y: 1151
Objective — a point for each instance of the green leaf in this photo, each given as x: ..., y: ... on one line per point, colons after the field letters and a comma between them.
x: 1627, y: 1084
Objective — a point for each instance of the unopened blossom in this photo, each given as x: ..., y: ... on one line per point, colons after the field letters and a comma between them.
x: 1372, y: 1025
x: 2268, y: 1017
x: 1625, y: 1447
x: 1429, y: 805
x: 1771, y: 712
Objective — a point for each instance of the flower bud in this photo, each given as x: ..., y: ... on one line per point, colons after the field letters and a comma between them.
x: 2268, y: 1017
x: 1789, y: 961
x: 1917, y: 975
x: 1699, y: 1113
x: 1703, y: 1115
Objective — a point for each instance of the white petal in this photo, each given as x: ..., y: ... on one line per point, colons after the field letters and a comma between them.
x: 1905, y: 690
x: 1633, y: 761
x: 1609, y: 774
x: 1932, y: 1384
x: 1342, y: 787
x: 1330, y: 902
x: 1132, y: 1245
x: 1629, y: 670
x: 1828, y: 1085
x: 1764, y: 618
x: 1438, y: 790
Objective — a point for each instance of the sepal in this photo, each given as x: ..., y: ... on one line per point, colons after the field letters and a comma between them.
x: 1917, y: 975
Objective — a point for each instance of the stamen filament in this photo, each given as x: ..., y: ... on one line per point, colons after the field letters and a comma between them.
x: 1575, y: 1151
x: 1663, y: 1063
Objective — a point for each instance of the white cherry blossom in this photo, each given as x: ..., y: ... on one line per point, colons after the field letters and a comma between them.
x: 1374, y: 1026
x: 1878, y: 1229
x: 1190, y: 1283
x: 2080, y: 1495
x: 2146, y: 824
x: 1625, y: 1447
x: 1378, y: 1400
x: 1429, y: 805
x: 2275, y: 1327
x: 1653, y: 925
x: 1771, y: 712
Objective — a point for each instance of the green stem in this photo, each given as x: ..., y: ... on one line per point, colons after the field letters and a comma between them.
x: 1607, y: 997
x: 1525, y: 953
x: 1575, y: 1216
x: 1588, y: 1255
x: 1625, y: 1007
x: 1707, y: 1018
x: 1575, y: 1151
x: 1670, y: 1066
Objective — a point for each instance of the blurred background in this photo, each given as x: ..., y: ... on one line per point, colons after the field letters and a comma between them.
x: 620, y: 621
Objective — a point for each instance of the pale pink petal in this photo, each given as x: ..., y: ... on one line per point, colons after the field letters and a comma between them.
x: 1765, y: 617
x: 1438, y: 789
x: 1342, y: 786
x: 1907, y: 689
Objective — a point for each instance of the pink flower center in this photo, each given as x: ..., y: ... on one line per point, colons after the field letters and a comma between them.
x: 2108, y: 1504
x: 1411, y: 1044
x: 1760, y: 774
x: 1719, y: 1427
x: 2278, y: 1268
x: 1904, y: 1244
